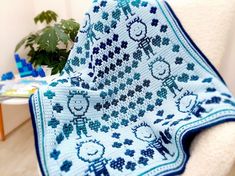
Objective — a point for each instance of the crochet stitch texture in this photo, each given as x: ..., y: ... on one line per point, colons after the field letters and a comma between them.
x: 134, y: 90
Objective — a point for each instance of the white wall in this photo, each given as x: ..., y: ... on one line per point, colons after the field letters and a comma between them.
x: 16, y: 21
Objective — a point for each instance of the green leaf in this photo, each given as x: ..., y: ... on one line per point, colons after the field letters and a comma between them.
x: 70, y: 27
x: 48, y: 40
x: 46, y: 16
x: 62, y: 36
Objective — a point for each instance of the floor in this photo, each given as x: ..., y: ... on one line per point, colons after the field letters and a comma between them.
x: 17, y: 154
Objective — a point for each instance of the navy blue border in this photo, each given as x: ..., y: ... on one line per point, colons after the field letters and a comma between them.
x: 187, y: 137
x: 190, y: 135
x: 35, y: 135
x: 192, y: 42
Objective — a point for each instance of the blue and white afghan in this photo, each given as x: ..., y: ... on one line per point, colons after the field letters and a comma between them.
x: 133, y: 92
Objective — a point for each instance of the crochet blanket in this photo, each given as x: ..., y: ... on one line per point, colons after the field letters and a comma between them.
x: 134, y: 92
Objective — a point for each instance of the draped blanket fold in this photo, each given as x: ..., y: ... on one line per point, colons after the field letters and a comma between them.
x: 133, y: 93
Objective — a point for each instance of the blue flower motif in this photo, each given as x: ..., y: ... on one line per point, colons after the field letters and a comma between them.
x: 107, y: 82
x: 160, y: 113
x: 110, y: 92
x: 105, y: 15
x: 105, y: 117
x: 126, y: 57
x: 107, y: 29
x: 102, y: 45
x: 128, y: 69
x: 135, y: 64
x: 106, y: 105
x: 103, y: 94
x: 104, y: 129
x: 129, y: 81
x: 124, y: 44
x: 137, y: 76
x: 124, y: 122
x: 144, y: 4
x: 116, y: 135
x: 109, y: 42
x: 114, y: 114
x: 115, y: 90
x: 176, y: 48
x: 131, y: 93
x: 150, y: 107
x: 98, y: 62
x: 153, y: 10
x: 121, y: 74
x: 119, y: 62
x: 130, y: 152
x: 138, y: 88
x: 146, y: 83
x: 163, y: 28
x: 115, y: 37
x: 158, y: 102
x: 53, y: 123
x: 79, y: 50
x: 130, y: 165
x: 66, y: 166
x: 103, y: 3
x: 49, y: 94
x: 123, y: 110
x: 154, y: 22
x: 132, y: 105
x: 59, y: 138
x: 55, y: 154
x: 128, y: 142
x: 122, y: 86
x: 113, y: 24
x: 96, y: 9
x: 114, y: 102
x: 148, y: 95
x: 115, y: 125
x: 133, y: 118
x: 114, y: 78
x: 140, y: 100
x: 165, y: 41
x: 96, y: 50
x: 141, y: 113
x: 194, y: 78
x: 98, y: 106
x: 178, y: 60
x: 117, y: 50
x: 190, y: 66
x: 58, y: 108
x: 117, y: 145
x: 143, y: 160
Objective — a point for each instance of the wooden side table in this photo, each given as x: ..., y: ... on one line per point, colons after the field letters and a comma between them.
x: 2, y: 133
x: 9, y: 101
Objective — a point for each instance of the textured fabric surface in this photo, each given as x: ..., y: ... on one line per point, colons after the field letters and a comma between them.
x: 133, y: 94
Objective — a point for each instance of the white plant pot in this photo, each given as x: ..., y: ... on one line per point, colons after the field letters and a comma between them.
x: 47, y: 70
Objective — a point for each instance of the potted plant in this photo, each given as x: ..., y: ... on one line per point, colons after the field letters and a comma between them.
x: 51, y: 45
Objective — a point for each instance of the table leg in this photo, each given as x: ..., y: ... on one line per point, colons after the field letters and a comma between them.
x: 2, y: 134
